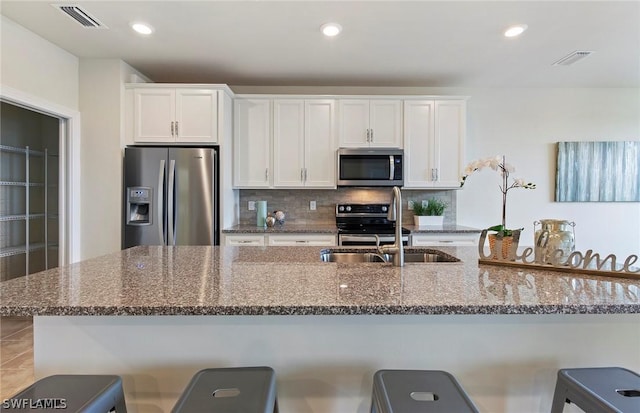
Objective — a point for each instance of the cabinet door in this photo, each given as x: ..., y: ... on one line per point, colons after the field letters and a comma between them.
x: 244, y: 240
x: 320, y: 144
x: 448, y: 150
x: 385, y: 122
x: 288, y: 143
x: 445, y: 240
x: 196, y: 115
x: 303, y: 240
x: 418, y: 141
x: 154, y: 111
x: 353, y: 118
x: 252, y: 143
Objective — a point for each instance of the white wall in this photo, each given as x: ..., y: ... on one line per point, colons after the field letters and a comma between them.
x: 524, y: 125
x: 35, y: 66
x: 101, y: 102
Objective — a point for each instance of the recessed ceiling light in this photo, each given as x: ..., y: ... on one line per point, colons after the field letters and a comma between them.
x: 331, y: 29
x: 514, y: 31
x: 142, y: 28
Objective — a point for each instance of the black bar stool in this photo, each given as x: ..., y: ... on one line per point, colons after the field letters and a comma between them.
x: 601, y: 389
x: 425, y: 391
x: 237, y: 389
x: 71, y: 393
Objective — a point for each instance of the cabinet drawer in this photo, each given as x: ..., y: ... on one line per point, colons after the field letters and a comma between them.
x: 444, y: 240
x: 302, y: 240
x: 244, y: 240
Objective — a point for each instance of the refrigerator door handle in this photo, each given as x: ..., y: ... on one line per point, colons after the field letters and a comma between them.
x: 160, y: 207
x: 170, y: 200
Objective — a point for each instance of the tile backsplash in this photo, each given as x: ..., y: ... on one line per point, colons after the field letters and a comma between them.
x: 295, y: 203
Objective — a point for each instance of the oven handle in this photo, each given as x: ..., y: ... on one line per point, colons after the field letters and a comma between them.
x: 361, y: 238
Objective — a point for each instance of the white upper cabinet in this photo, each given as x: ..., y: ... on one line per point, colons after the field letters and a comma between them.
x: 175, y: 115
x: 304, y: 143
x: 370, y: 123
x: 434, y: 135
x: 252, y: 143
x: 320, y: 143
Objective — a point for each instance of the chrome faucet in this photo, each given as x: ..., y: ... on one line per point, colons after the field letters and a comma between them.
x: 395, y: 214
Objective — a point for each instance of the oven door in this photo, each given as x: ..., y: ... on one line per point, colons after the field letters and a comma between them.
x: 368, y: 239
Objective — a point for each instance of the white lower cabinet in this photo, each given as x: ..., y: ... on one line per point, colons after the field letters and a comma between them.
x: 243, y: 239
x: 302, y: 240
x: 445, y: 240
x: 283, y: 240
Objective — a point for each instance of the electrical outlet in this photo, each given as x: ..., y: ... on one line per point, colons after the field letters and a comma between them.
x: 312, y: 205
x: 410, y: 204
x: 425, y: 203
x: 252, y: 205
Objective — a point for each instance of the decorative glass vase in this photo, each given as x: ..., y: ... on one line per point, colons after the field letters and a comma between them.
x: 554, y: 234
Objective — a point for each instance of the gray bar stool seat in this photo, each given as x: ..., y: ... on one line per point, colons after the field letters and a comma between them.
x: 230, y: 390
x: 600, y: 389
x: 424, y: 391
x: 72, y: 393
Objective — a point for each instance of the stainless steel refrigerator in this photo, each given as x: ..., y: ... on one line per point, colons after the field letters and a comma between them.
x: 170, y: 196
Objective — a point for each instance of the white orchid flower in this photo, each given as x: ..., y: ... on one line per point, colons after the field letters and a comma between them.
x: 494, y: 162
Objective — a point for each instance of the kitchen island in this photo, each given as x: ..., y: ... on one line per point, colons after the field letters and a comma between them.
x: 156, y: 315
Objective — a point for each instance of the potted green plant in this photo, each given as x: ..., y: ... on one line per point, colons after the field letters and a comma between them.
x: 430, y: 214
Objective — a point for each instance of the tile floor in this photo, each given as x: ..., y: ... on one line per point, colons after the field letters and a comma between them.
x: 16, y: 355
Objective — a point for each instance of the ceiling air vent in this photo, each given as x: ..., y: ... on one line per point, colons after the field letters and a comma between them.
x: 80, y: 16
x: 573, y: 57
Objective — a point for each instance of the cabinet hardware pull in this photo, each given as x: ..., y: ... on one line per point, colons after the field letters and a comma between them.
x: 371, y: 135
x: 305, y: 174
x: 172, y: 128
x: 368, y: 135
x: 177, y: 129
x: 302, y: 174
x: 266, y: 174
x: 433, y: 174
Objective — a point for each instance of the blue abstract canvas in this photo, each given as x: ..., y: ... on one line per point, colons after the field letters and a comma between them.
x: 598, y: 171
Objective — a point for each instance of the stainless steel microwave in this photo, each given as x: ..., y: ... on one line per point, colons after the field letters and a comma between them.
x: 370, y: 167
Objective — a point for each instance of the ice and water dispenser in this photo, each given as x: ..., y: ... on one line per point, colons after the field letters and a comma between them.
x: 139, y: 205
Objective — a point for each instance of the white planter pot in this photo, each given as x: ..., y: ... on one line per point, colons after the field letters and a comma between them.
x: 424, y: 221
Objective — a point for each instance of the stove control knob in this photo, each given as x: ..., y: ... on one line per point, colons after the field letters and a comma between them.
x: 384, y: 209
x: 348, y: 208
x: 341, y: 208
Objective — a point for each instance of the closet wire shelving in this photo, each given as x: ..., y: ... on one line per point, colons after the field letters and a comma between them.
x: 27, y: 216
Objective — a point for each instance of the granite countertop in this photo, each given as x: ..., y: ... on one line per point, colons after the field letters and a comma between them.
x: 205, y: 280
x: 331, y: 229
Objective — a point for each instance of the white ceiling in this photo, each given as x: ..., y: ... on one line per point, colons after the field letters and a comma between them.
x: 384, y: 43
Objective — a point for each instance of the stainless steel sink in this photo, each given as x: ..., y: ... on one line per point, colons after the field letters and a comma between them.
x: 428, y: 257
x: 350, y: 257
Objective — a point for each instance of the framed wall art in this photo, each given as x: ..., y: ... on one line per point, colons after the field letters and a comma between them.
x: 598, y: 171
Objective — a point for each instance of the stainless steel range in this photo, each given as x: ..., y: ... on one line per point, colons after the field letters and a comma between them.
x: 358, y: 224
